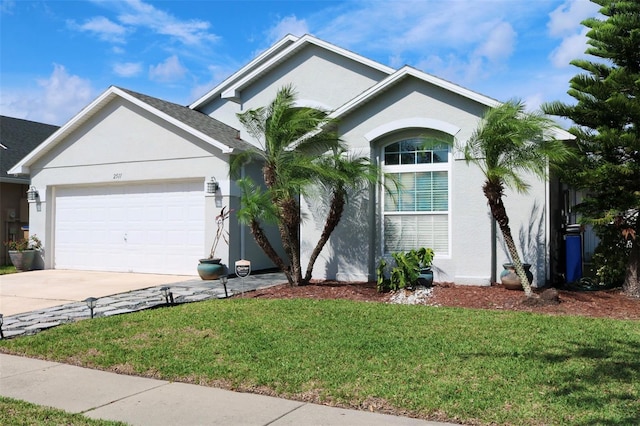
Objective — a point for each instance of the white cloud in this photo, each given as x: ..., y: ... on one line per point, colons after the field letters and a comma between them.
x: 566, y: 18
x: 499, y: 43
x: 570, y: 48
x: 102, y: 27
x: 139, y: 14
x: 218, y: 74
x: 288, y: 25
x: 565, y: 23
x: 169, y: 70
x: 469, y: 40
x: 54, y: 100
x: 127, y: 69
x: 64, y: 95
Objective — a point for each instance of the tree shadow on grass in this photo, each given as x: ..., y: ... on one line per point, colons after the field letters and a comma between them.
x: 600, y: 380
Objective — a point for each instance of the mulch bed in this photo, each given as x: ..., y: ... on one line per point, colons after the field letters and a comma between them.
x: 607, y: 304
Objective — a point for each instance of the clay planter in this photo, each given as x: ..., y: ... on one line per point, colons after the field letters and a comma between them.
x: 510, y: 279
x: 211, y: 269
x: 22, y: 260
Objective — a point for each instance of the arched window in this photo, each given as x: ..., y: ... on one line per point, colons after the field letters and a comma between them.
x: 416, y: 214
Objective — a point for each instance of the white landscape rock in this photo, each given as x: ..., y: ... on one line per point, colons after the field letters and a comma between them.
x: 419, y: 296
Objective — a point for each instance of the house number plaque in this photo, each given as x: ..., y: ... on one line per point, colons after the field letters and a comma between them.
x: 243, y: 268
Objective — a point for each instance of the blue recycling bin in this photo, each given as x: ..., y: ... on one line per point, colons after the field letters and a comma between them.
x: 573, y: 253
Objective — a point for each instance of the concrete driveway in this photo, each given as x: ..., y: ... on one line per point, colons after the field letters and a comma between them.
x: 29, y: 291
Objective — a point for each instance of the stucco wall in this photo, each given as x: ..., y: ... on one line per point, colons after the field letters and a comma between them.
x: 356, y: 245
x: 321, y: 79
x: 124, y: 144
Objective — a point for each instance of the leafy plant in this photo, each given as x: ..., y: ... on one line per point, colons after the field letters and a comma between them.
x: 611, y: 256
x: 407, y: 269
x: 31, y: 243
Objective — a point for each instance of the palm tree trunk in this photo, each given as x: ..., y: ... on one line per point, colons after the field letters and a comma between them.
x: 262, y: 240
x: 333, y: 218
x: 290, y: 234
x: 494, y: 192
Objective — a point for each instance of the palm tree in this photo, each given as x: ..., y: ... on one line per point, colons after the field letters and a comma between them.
x: 507, y: 144
x: 351, y: 173
x: 292, y: 139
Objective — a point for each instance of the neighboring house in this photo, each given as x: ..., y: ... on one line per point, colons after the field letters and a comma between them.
x: 17, y: 138
x: 123, y: 184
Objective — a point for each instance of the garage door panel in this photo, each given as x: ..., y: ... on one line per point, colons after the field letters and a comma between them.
x: 153, y: 227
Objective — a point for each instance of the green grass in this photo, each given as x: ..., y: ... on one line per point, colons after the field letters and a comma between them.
x: 7, y: 269
x: 20, y: 413
x: 460, y: 364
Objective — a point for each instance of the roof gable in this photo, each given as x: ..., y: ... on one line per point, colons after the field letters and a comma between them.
x: 410, y: 72
x: 200, y: 125
x: 231, y: 87
x: 400, y: 75
x: 256, y: 62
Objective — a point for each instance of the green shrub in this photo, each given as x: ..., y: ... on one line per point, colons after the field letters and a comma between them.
x: 611, y: 256
x: 406, y: 271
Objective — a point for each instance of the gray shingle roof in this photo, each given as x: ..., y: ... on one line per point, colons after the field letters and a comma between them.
x: 201, y: 122
x: 19, y: 137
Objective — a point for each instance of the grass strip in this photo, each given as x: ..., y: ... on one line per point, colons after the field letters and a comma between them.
x: 14, y: 412
x: 460, y: 364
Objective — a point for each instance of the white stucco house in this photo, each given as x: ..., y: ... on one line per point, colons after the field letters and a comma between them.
x: 122, y: 185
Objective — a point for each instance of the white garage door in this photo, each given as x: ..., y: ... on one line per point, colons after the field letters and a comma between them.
x: 153, y: 228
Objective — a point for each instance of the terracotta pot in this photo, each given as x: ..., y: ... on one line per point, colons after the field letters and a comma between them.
x: 211, y: 269
x: 510, y: 278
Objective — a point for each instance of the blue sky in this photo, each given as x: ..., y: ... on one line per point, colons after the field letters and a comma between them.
x: 57, y: 56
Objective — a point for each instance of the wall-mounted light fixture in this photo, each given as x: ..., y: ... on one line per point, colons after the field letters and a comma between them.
x: 32, y: 194
x: 91, y: 304
x: 212, y: 186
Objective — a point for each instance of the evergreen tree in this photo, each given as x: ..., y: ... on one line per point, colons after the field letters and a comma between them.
x: 606, y: 117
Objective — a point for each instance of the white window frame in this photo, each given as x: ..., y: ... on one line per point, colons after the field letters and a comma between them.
x: 413, y: 168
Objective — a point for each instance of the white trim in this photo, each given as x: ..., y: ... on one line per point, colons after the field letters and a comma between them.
x: 398, y: 76
x: 288, y: 39
x: 308, y: 103
x: 87, y: 112
x: 233, y: 91
x: 411, y: 123
x: 222, y: 147
x: 417, y: 168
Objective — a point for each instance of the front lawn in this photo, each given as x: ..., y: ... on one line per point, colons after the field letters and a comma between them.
x: 439, y: 363
x: 20, y: 413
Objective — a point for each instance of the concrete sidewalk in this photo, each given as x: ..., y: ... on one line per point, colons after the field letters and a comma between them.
x: 142, y: 401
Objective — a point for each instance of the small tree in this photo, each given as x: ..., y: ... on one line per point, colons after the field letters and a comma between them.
x: 508, y: 143
x: 300, y: 150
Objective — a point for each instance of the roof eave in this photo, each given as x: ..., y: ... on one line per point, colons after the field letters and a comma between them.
x: 232, y: 91
x: 22, y: 167
x: 166, y: 117
x: 403, y: 73
x: 216, y: 91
